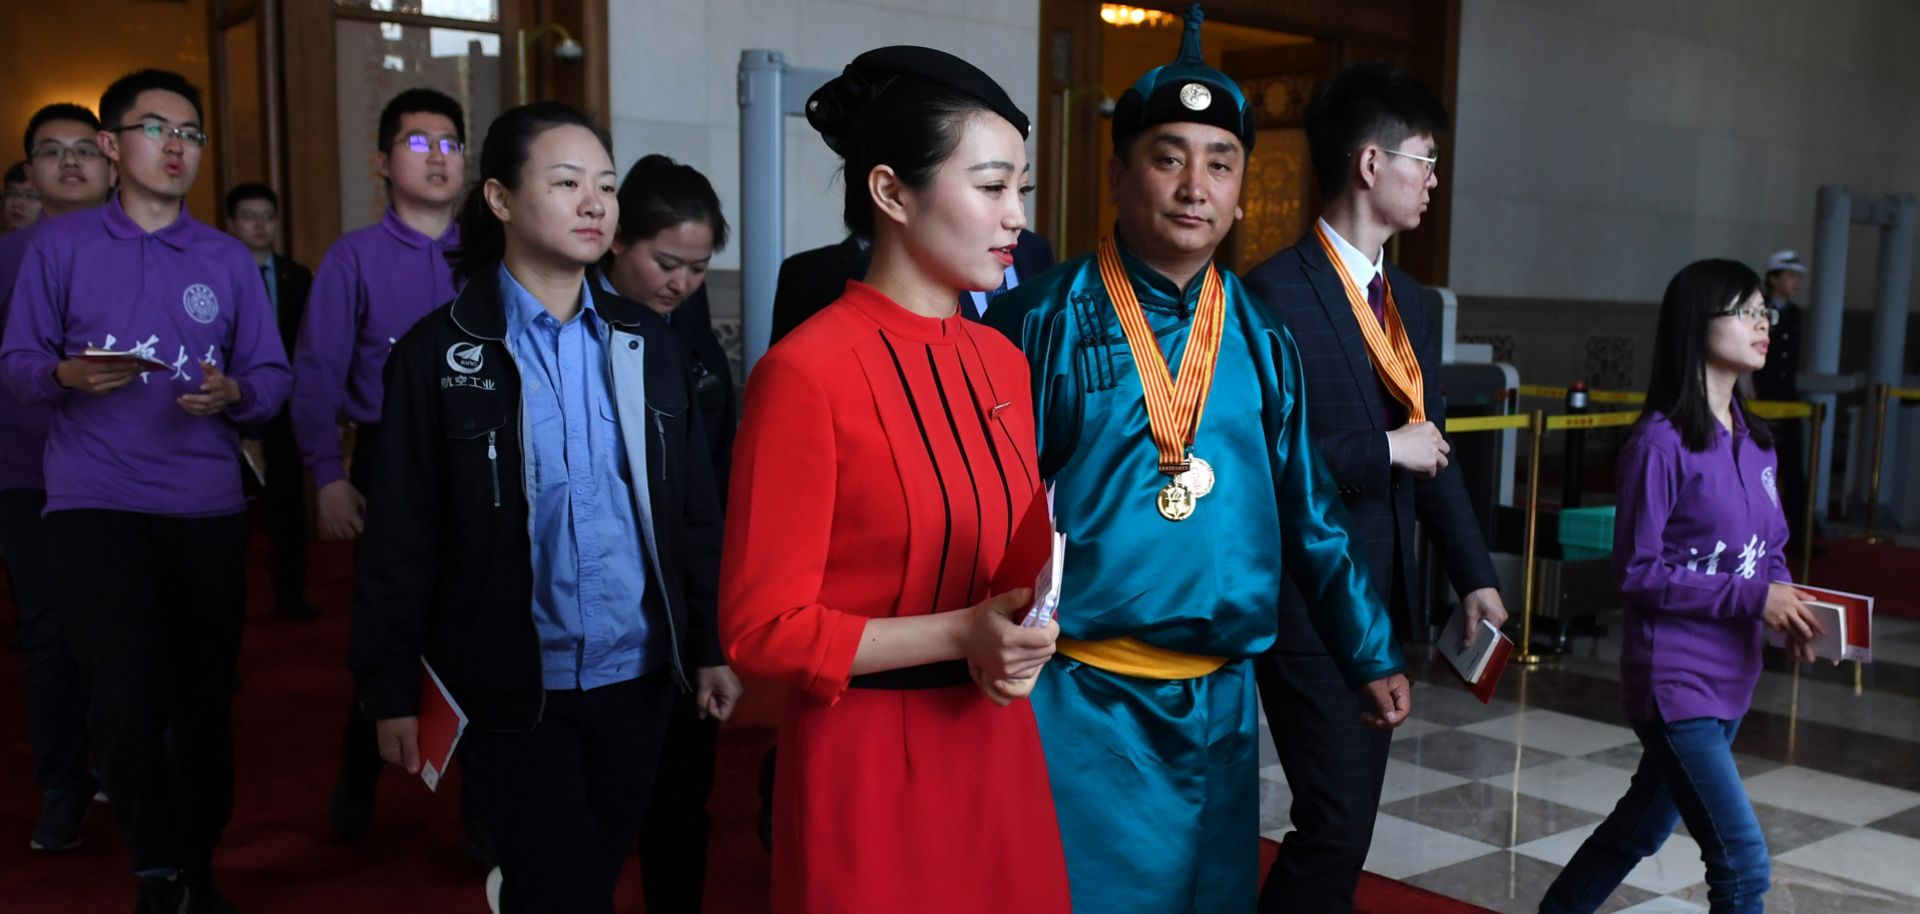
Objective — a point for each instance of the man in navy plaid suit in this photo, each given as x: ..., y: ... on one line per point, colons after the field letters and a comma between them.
x: 1371, y: 134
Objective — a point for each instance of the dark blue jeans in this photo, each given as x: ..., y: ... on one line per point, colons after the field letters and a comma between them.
x: 56, y: 695
x: 1686, y: 773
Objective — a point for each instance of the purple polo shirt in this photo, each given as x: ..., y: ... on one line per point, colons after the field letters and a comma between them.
x: 1696, y: 540
x: 23, y: 426
x: 373, y: 285
x: 180, y: 295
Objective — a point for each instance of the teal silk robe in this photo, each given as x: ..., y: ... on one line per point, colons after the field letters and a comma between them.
x: 1156, y: 782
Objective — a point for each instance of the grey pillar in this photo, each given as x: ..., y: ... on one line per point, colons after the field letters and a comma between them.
x: 763, y: 211
x: 1890, y: 324
x: 1833, y: 214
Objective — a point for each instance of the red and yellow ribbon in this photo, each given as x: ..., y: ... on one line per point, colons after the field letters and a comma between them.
x: 1174, y: 407
x: 1388, y: 347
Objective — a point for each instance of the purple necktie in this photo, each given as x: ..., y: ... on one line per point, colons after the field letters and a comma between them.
x: 1377, y: 300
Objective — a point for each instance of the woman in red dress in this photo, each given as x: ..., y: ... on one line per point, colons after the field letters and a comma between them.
x: 885, y: 456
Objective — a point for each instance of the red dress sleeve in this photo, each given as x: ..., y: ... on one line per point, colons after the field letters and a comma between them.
x: 779, y: 524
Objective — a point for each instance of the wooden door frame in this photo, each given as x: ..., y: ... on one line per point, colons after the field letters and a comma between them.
x: 1422, y: 35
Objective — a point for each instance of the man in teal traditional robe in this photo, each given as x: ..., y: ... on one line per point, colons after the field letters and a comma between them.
x: 1148, y: 713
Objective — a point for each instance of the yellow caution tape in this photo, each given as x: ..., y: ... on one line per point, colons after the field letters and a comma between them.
x: 1623, y: 397
x: 1485, y: 423
x: 1780, y: 409
x: 1591, y: 420
x: 1904, y: 393
x: 1536, y: 390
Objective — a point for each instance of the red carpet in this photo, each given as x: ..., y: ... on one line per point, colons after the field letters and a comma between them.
x: 1882, y: 572
x: 280, y: 856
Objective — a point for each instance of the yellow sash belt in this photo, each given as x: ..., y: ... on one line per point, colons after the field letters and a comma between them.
x: 1136, y: 658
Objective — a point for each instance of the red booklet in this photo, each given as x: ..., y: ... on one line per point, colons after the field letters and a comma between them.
x: 1478, y: 665
x: 441, y: 724
x: 112, y: 357
x: 1846, y: 620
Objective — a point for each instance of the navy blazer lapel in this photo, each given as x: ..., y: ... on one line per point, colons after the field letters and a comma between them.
x: 1333, y: 300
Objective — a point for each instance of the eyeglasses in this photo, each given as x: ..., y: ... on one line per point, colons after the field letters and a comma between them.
x: 83, y: 151
x: 421, y: 143
x: 1752, y: 313
x: 159, y: 133
x: 23, y: 193
x: 1431, y: 161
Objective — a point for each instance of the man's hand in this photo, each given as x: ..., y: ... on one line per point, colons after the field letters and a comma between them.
x: 217, y: 392
x: 1482, y: 604
x: 1391, y: 699
x: 96, y: 378
x: 1418, y: 447
x: 718, y: 692
x: 400, y: 741
x: 343, y: 510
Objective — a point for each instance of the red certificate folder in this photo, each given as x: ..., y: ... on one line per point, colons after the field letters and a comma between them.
x: 1480, y: 665
x: 112, y: 357
x: 1847, y: 619
x: 441, y: 724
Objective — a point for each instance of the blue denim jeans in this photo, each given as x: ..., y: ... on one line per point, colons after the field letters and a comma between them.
x: 1686, y: 773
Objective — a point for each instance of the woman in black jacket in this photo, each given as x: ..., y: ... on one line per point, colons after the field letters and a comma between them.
x: 543, y: 523
x: 669, y: 229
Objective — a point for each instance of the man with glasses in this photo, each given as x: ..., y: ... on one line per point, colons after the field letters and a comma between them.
x: 23, y: 202
x: 372, y: 286
x: 67, y: 172
x: 1376, y: 415
x: 149, y: 334
x: 253, y: 216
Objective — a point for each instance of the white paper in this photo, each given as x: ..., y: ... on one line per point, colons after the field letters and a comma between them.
x: 1046, y: 586
x: 1470, y: 661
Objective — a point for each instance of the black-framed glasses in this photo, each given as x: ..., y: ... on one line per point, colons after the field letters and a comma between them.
x: 83, y: 151
x: 1752, y: 313
x: 23, y: 193
x: 159, y: 132
x: 423, y: 144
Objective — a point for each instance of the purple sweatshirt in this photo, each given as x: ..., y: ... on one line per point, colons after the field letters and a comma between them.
x: 23, y: 426
x: 1696, y: 540
x: 373, y: 285
x: 180, y: 295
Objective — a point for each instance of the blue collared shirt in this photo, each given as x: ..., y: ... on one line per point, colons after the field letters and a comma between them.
x: 589, y: 567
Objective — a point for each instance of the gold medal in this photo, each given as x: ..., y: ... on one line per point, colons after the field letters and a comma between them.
x: 1199, y: 477
x: 1174, y: 404
x: 1175, y: 501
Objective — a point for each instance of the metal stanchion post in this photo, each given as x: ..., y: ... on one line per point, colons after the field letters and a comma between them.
x: 1815, y: 422
x: 1879, y: 449
x: 1574, y: 466
x: 1537, y: 425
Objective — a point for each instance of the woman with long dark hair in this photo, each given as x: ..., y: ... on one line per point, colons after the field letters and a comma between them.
x: 885, y: 456
x: 542, y: 525
x: 1699, y: 549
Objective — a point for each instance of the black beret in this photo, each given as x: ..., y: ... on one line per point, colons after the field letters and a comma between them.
x: 832, y: 107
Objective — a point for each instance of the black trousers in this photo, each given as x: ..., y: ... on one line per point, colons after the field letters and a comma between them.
x: 673, y: 839
x: 1335, y: 766
x: 565, y: 799
x: 56, y: 697
x: 154, y: 608
x: 359, y: 744
x: 286, y: 498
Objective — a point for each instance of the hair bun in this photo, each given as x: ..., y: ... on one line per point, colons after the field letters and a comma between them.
x: 834, y: 108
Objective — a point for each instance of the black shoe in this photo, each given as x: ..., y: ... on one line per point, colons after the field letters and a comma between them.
x: 161, y: 895
x: 61, y: 815
x: 202, y: 897
x: 351, y: 806
x: 298, y: 609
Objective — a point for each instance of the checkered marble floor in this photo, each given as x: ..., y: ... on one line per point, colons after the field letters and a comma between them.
x: 1485, y: 803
